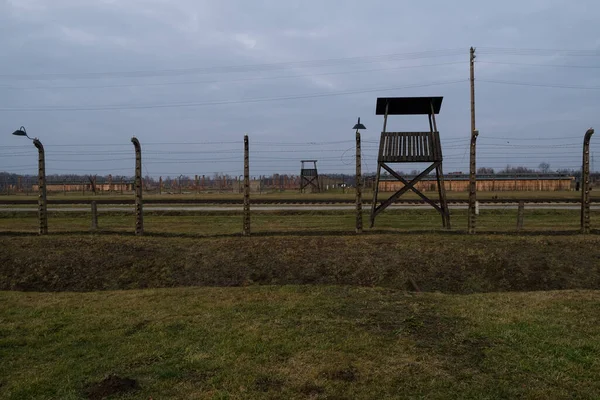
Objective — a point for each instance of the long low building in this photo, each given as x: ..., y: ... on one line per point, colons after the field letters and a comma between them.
x: 86, y: 187
x: 488, y: 183
x: 453, y: 182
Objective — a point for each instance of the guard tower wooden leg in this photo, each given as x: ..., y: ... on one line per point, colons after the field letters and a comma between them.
x: 439, y: 171
x: 442, y: 193
x: 375, y: 193
x: 379, y: 164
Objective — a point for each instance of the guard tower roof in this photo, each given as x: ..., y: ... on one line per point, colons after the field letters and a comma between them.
x: 408, y: 105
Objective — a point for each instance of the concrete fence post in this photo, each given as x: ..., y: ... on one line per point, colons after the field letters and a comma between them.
x: 585, y: 182
x: 246, y: 230
x: 520, y: 212
x: 359, y: 222
x: 139, y: 205
x: 94, y: 216
x: 42, y: 201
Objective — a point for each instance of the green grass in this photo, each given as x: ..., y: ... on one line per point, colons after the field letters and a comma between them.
x: 230, y: 222
x: 345, y: 320
x: 299, y: 342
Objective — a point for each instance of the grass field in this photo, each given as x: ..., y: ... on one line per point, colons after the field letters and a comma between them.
x: 299, y: 342
x: 302, y: 309
x: 200, y: 223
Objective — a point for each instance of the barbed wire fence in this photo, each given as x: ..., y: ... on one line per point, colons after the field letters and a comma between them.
x: 175, y: 171
x: 215, y: 168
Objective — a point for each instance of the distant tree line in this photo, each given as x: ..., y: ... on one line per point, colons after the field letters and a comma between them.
x: 25, y: 182
x: 543, y: 168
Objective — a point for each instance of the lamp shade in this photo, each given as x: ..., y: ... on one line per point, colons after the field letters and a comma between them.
x: 20, y: 132
x: 359, y: 125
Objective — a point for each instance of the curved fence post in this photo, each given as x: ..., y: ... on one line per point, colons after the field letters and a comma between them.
x: 139, y: 205
x: 42, y: 200
x: 585, y: 182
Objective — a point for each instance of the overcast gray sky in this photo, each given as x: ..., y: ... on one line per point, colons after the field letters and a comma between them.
x: 83, y: 72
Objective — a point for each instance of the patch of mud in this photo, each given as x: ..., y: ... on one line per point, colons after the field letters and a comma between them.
x: 109, y: 386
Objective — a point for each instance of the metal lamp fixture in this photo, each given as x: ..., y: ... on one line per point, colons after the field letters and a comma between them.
x: 42, y: 201
x: 22, y: 132
x: 359, y: 125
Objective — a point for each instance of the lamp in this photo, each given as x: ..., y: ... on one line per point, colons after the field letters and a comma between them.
x: 42, y: 202
x: 22, y: 132
x: 359, y: 125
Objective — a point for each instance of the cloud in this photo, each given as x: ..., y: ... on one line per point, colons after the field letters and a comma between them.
x: 77, y: 36
x: 245, y: 40
x: 305, y: 33
x: 193, y: 42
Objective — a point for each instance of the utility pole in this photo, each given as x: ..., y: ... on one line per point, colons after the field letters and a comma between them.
x: 472, y: 156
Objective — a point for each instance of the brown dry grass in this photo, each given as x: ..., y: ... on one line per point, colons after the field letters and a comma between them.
x: 436, y: 262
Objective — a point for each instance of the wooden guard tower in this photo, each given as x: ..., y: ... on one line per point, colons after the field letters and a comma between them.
x: 410, y: 147
x: 309, y: 176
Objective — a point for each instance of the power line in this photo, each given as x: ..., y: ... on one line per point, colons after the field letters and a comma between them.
x: 540, y: 85
x: 453, y: 143
x: 540, y: 138
x: 540, y: 65
x: 297, y: 64
x: 222, y: 81
x: 537, y: 52
x: 127, y: 144
x: 529, y: 146
x: 236, y: 68
x: 301, y: 143
x: 143, y: 144
x: 224, y: 102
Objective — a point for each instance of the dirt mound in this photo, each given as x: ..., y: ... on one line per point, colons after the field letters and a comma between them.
x: 428, y: 262
x: 109, y: 386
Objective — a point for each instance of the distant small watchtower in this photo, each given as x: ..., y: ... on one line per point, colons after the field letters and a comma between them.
x: 309, y: 176
x: 410, y: 147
